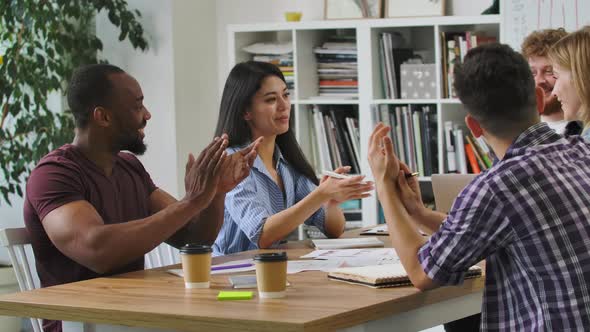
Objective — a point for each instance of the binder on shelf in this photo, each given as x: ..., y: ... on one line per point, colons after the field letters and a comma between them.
x: 409, y: 136
x: 322, y: 141
x: 418, y: 140
x: 450, y: 147
x: 400, y: 129
x: 414, y: 134
x: 426, y: 144
x: 354, y: 137
x: 392, y: 132
x: 335, y: 153
x: 431, y: 119
x: 391, y: 60
x: 340, y: 143
x: 336, y: 137
x: 460, y: 150
x: 344, y: 143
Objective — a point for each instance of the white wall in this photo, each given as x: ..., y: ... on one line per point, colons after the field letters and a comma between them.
x: 154, y: 70
x: 195, y: 75
x: 467, y: 7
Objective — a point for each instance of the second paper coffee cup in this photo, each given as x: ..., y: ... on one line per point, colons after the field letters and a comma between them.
x: 196, y: 265
x: 271, y: 274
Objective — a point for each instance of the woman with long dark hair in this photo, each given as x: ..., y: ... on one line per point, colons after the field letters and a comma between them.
x: 282, y: 190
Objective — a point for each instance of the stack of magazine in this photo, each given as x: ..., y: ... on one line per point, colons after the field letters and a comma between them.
x: 337, y: 68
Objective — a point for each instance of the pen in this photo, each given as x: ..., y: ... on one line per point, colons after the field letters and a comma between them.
x: 344, y: 176
x: 335, y: 175
x: 227, y: 267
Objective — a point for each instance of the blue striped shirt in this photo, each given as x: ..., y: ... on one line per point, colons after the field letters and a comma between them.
x: 257, y: 198
x: 529, y: 217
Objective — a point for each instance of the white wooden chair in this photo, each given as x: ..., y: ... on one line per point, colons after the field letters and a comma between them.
x: 15, y: 240
x: 162, y: 255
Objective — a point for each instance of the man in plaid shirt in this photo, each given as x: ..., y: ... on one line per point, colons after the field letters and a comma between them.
x: 528, y: 216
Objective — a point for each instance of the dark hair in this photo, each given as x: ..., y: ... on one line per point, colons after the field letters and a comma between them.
x: 244, y: 80
x: 496, y: 86
x: 89, y: 87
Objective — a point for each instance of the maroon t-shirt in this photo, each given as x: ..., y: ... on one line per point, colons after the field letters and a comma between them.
x: 65, y: 175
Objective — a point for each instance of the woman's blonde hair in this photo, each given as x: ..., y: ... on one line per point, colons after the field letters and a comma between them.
x: 572, y: 52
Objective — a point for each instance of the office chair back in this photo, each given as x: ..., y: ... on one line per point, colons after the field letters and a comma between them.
x: 162, y: 255
x: 15, y: 240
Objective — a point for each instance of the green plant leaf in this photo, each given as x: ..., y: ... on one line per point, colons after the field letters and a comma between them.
x: 44, y: 42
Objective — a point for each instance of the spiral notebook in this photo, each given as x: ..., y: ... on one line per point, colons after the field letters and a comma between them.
x: 382, y: 276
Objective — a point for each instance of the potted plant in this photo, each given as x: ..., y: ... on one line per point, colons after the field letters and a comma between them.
x: 41, y: 43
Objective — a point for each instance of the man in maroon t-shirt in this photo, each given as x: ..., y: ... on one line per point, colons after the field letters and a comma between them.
x: 92, y: 210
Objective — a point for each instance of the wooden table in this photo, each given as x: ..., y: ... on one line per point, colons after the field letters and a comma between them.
x: 154, y: 300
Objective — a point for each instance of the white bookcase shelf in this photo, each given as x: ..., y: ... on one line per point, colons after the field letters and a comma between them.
x: 421, y: 34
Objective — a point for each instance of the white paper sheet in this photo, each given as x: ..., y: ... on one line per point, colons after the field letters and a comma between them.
x: 352, y: 243
x: 367, y: 252
x: 313, y: 265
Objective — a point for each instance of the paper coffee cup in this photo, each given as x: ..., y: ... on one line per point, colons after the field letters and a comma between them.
x: 196, y: 265
x: 271, y: 275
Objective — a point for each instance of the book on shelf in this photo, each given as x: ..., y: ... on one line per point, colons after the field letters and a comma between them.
x: 409, y: 138
x: 454, y: 47
x: 321, y: 140
x: 416, y: 115
x: 482, y: 156
x: 413, y: 132
x: 460, y: 150
x: 383, y: 276
x: 390, y: 59
x: 471, y: 158
x: 450, y: 147
x: 465, y: 153
x: 343, y: 142
x: 354, y: 135
x: 337, y: 68
x: 399, y: 128
x: 333, y: 145
x: 335, y: 137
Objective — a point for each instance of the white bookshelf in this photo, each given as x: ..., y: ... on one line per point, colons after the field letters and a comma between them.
x: 422, y: 33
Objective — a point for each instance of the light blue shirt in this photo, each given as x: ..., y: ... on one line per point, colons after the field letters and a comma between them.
x: 258, y: 197
x: 586, y: 134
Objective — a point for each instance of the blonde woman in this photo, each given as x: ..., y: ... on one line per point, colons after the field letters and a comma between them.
x: 571, y: 67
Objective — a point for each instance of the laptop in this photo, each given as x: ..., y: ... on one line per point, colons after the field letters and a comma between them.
x: 446, y: 187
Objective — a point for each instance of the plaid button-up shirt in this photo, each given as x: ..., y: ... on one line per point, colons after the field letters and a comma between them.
x: 529, y: 217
